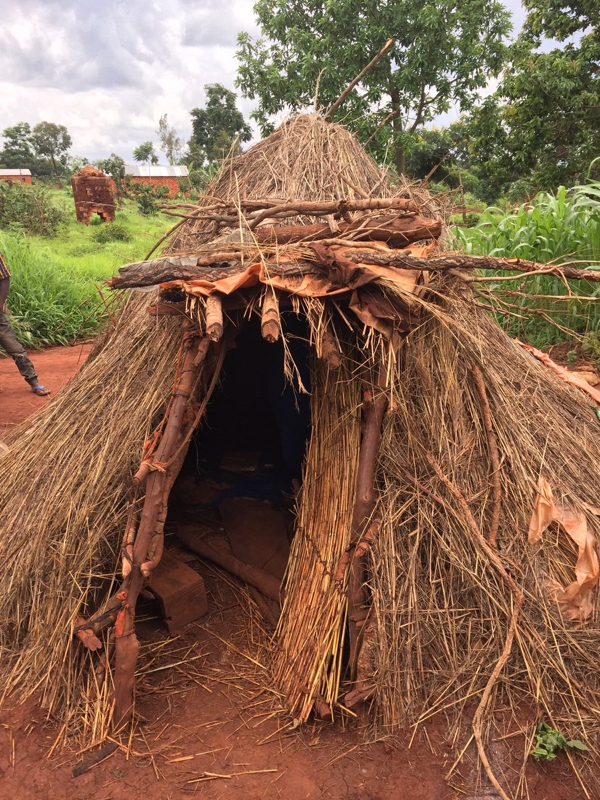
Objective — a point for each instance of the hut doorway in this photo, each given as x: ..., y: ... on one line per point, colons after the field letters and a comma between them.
x: 236, y: 490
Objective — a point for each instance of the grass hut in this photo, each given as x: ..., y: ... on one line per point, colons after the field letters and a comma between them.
x: 444, y: 557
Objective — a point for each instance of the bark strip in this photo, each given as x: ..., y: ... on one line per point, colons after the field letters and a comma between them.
x: 214, y: 317
x: 270, y: 324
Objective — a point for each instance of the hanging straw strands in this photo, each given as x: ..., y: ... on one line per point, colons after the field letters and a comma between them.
x: 429, y: 564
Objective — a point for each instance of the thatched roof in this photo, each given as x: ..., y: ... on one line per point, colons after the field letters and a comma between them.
x: 306, y: 157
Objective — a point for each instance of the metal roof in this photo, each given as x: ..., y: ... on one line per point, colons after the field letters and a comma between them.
x: 5, y: 173
x: 144, y: 171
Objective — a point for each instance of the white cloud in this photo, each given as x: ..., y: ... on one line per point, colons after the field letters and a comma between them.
x: 109, y: 70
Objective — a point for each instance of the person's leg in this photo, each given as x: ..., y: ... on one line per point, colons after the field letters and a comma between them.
x: 10, y: 343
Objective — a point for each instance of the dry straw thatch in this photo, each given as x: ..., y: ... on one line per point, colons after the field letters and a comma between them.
x: 64, y: 485
x: 446, y: 604
x: 305, y: 157
x: 430, y: 565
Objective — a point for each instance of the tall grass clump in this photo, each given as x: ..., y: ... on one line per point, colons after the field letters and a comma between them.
x: 558, y: 228
x: 48, y: 303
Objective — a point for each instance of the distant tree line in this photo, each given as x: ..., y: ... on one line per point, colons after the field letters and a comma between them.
x: 42, y: 149
x: 217, y: 128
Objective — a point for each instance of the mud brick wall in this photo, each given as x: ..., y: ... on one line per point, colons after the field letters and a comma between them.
x: 169, y: 181
x: 94, y: 193
x: 16, y: 178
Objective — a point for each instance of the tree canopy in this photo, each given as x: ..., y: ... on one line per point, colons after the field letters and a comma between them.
x: 561, y: 18
x: 114, y: 165
x: 145, y: 153
x: 17, y: 152
x: 170, y: 143
x: 51, y: 141
x: 443, y: 53
x: 42, y: 149
x: 543, y: 123
x: 217, y: 126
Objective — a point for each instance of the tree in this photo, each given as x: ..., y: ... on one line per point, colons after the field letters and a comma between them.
x: 17, y: 151
x: 443, y: 53
x: 170, y: 143
x: 74, y: 164
x: 51, y: 141
x: 145, y: 152
x: 546, y: 124
x: 217, y: 126
x: 561, y: 18
x: 113, y: 166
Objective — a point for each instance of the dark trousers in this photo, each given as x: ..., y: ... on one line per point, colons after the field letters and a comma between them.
x: 8, y: 341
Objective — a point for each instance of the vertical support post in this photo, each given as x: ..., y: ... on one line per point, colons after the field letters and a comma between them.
x: 374, y: 406
x: 151, y: 521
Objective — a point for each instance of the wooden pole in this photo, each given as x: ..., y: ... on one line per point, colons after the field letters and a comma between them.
x: 270, y: 323
x: 374, y: 405
x: 172, y: 269
x: 396, y: 231
x: 334, y: 106
x: 151, y: 521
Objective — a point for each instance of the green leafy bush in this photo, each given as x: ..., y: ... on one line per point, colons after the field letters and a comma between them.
x: 31, y: 208
x: 561, y: 227
x: 112, y: 232
x: 147, y: 197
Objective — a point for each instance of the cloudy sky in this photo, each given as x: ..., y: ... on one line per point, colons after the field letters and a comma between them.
x: 108, y: 69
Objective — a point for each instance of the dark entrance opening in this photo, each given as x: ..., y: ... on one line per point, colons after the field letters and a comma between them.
x: 236, y: 490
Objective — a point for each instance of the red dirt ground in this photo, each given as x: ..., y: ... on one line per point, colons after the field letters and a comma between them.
x: 54, y: 366
x: 216, y: 718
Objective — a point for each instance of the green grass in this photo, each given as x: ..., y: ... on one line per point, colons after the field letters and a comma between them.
x: 53, y: 296
x: 555, y: 228
x: 77, y: 248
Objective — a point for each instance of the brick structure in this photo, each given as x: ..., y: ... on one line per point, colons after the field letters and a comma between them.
x: 15, y: 175
x: 94, y: 193
x: 158, y: 176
